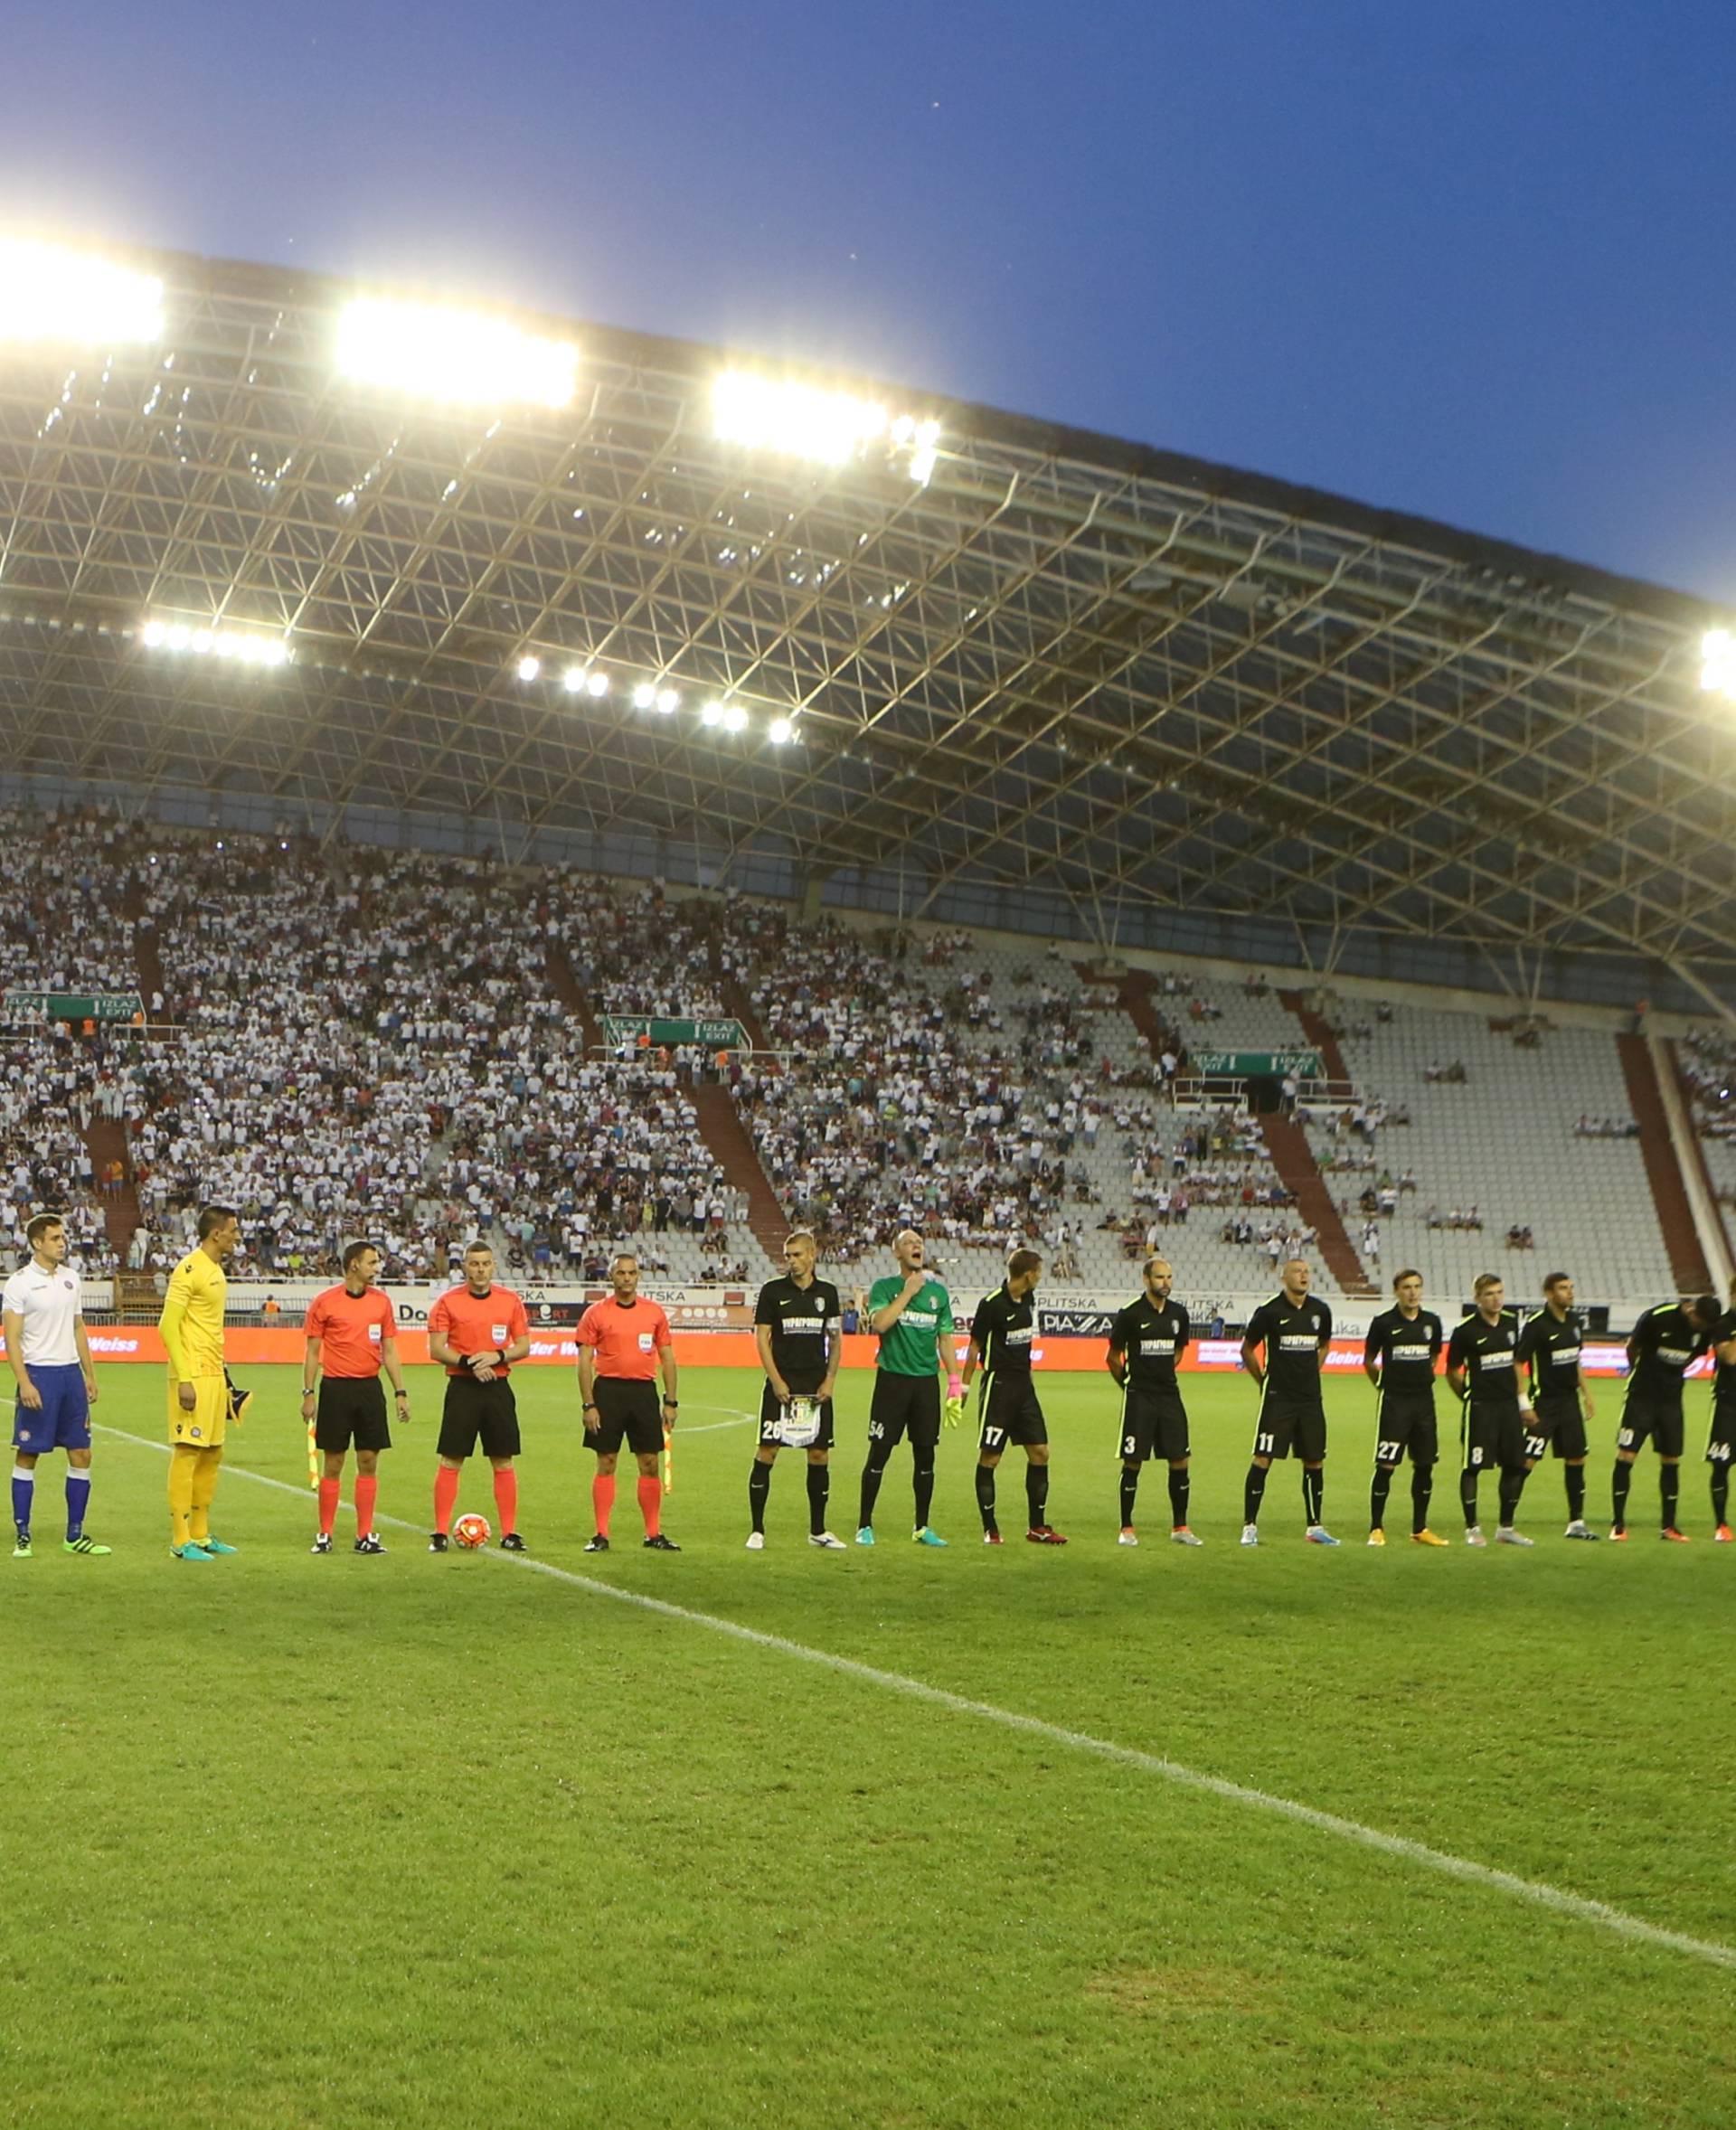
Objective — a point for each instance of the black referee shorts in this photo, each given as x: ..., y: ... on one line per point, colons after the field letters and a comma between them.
x: 478, y: 1412
x: 631, y: 1412
x: 351, y: 1409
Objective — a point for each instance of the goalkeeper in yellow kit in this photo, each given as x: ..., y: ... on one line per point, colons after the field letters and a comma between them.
x: 201, y: 1400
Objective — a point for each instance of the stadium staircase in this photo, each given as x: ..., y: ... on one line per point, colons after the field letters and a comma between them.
x: 1299, y: 1173
x: 724, y: 1133
x: 1319, y: 1035
x: 1691, y: 1159
x: 147, y: 956
x: 1688, y: 1265
x: 106, y: 1142
x: 565, y: 986
x: 741, y: 1006
x: 1134, y: 997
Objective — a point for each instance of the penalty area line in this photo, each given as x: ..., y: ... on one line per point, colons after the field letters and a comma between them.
x: 1538, y: 1892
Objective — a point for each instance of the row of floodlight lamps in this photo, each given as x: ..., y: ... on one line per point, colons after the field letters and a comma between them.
x: 66, y: 298
x: 248, y: 648
x: 716, y: 713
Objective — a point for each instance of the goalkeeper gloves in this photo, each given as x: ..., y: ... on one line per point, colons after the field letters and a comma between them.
x: 955, y: 1405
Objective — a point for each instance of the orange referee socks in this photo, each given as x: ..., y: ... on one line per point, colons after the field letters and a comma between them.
x: 651, y: 1503
x: 446, y: 1495
x: 507, y: 1497
x: 328, y: 1493
x: 602, y: 1501
x: 367, y: 1492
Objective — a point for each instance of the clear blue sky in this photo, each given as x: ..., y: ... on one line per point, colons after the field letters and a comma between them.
x: 1475, y: 261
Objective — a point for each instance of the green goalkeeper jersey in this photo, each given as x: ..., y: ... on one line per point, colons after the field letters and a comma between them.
x: 912, y: 1346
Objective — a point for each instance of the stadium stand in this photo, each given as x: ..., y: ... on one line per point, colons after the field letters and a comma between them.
x: 362, y: 1039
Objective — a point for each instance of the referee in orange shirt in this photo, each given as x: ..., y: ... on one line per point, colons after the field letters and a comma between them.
x: 352, y: 1334
x: 623, y: 1341
x: 477, y: 1332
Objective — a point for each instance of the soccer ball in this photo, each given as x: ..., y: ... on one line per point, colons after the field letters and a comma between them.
x: 471, y: 1531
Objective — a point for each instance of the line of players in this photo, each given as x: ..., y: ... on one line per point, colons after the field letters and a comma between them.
x: 477, y: 1331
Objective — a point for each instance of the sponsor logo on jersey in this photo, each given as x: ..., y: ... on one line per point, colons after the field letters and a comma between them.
x: 1298, y: 1341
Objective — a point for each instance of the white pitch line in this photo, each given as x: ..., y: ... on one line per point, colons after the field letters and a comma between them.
x: 1537, y: 1891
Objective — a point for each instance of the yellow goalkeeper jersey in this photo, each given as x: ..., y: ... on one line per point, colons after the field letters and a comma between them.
x: 192, y: 1323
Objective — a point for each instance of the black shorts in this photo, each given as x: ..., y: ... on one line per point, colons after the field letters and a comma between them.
x: 1493, y: 1435
x: 1406, y: 1426
x: 1559, y: 1425
x: 1010, y: 1412
x: 351, y: 1409
x: 772, y: 1420
x: 1286, y: 1424
x: 904, y: 1405
x: 1154, y: 1424
x: 1645, y: 1419
x: 630, y: 1411
x: 1720, y: 1444
x: 473, y: 1412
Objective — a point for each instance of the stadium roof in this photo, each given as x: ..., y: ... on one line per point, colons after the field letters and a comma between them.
x: 1061, y: 675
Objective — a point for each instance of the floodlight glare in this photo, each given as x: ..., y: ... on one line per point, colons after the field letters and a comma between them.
x: 735, y: 719
x: 573, y: 679
x: 643, y: 695
x: 668, y: 702
x: 782, y: 731
x: 243, y: 647
x: 712, y: 714
x: 48, y: 293
x: 1718, y: 662
x: 438, y: 353
x: 529, y: 667
x: 779, y: 414
x: 596, y: 683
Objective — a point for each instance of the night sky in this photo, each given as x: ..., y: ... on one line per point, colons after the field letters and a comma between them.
x: 1476, y: 262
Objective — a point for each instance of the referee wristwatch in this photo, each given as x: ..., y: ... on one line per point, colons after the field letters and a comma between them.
x: 593, y: 1406
x: 675, y: 1401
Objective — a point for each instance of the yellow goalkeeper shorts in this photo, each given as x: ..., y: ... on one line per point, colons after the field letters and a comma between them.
x: 203, y: 1427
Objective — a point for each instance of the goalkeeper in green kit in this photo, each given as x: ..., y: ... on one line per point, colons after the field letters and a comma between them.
x: 911, y: 1313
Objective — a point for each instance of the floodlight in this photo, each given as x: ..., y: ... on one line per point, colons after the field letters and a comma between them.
x: 712, y: 714
x: 805, y: 421
x: 573, y: 679
x: 1718, y: 662
x: 596, y: 683
x: 735, y: 719
x: 50, y: 293
x: 782, y: 731
x: 643, y: 695
x: 668, y: 700
x: 435, y: 351
x: 244, y: 647
x: 529, y: 667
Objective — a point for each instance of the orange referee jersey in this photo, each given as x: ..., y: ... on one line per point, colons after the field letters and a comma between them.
x: 350, y: 1329
x: 627, y: 1341
x: 478, y: 1323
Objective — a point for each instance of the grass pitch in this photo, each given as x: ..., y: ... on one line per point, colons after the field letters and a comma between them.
x: 414, y: 1840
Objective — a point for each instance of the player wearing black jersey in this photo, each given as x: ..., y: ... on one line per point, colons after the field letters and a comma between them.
x: 1001, y: 1332
x: 1399, y: 1357
x: 1560, y: 1398
x: 1721, y: 1443
x: 1146, y: 1341
x: 1661, y: 1347
x: 1293, y: 1332
x: 798, y: 1329
x: 1483, y: 1369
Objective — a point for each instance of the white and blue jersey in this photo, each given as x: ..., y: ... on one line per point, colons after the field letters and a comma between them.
x: 46, y: 1304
